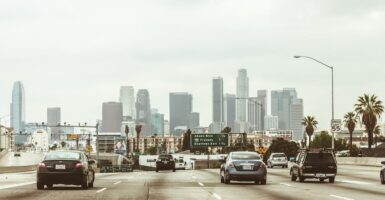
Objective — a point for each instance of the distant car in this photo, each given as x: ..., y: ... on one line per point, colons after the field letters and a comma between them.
x: 17, y: 154
x: 243, y: 166
x: 382, y: 173
x: 180, y: 163
x: 165, y: 162
x: 277, y: 159
x: 316, y: 164
x: 66, y: 167
x: 344, y: 153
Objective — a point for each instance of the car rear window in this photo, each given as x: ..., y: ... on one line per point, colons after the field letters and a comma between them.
x: 245, y: 156
x: 279, y: 155
x: 60, y: 155
x: 165, y: 157
x: 319, y: 158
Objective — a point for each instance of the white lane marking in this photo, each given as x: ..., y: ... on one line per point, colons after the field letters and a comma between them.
x: 201, y: 184
x: 217, y: 196
x: 16, y: 185
x: 117, y: 182
x: 101, y: 190
x: 285, y: 184
x: 355, y: 182
x: 339, y: 197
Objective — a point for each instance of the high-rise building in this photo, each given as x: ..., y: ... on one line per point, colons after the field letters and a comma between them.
x: 180, y: 109
x: 143, y: 111
x: 262, y: 99
x: 289, y: 109
x: 217, y: 99
x: 157, y: 122
x: 271, y: 122
x: 229, y: 110
x: 127, y: 98
x: 242, y: 95
x: 112, y: 117
x: 193, y: 120
x: 18, y: 112
x: 254, y: 114
x: 166, y: 125
x: 53, y: 119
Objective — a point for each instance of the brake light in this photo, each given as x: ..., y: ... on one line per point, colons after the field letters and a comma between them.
x: 231, y: 165
x: 331, y: 167
x: 41, y: 165
x: 263, y: 165
x: 79, y: 165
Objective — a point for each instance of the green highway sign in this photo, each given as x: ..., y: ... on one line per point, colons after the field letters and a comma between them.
x: 209, y: 140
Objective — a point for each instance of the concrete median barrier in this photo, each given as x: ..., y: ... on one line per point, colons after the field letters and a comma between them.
x: 360, y: 161
x: 15, y: 169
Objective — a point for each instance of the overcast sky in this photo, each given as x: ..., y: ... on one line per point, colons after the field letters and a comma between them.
x: 76, y: 54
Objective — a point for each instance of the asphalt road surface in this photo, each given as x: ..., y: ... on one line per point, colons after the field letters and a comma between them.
x: 353, y: 182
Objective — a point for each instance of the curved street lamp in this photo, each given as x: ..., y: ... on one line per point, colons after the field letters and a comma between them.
x: 332, y: 69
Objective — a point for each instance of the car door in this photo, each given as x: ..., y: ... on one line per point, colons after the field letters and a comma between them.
x: 296, y: 164
x: 88, y: 170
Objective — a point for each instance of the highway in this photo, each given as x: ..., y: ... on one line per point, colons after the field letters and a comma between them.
x: 352, y: 182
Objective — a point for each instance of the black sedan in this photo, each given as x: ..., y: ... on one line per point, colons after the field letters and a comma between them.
x: 65, y: 167
x: 382, y: 173
x: 165, y: 162
x: 243, y: 166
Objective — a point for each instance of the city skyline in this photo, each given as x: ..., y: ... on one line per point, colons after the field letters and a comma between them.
x: 94, y: 63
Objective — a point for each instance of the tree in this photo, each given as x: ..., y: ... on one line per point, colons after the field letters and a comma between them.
x: 279, y: 145
x: 151, y: 151
x: 310, y: 125
x: 369, y: 108
x: 324, y: 140
x: 376, y: 132
x: 138, y: 129
x: 186, y: 140
x: 350, y: 120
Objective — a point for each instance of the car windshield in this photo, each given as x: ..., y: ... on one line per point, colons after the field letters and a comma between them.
x: 319, y: 158
x: 279, y: 155
x: 165, y: 157
x: 61, y: 155
x: 245, y: 156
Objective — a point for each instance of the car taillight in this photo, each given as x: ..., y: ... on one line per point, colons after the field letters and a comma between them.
x: 331, y: 167
x: 307, y: 167
x: 262, y: 165
x: 79, y: 165
x: 41, y: 165
x: 231, y: 165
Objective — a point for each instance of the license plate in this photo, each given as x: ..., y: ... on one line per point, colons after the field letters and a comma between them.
x: 247, y: 167
x: 320, y: 175
x: 165, y: 162
x: 61, y: 167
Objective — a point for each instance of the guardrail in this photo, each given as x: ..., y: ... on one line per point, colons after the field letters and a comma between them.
x: 116, y: 168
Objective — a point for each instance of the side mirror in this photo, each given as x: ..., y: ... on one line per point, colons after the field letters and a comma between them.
x: 292, y: 159
x: 91, y: 162
x: 383, y: 162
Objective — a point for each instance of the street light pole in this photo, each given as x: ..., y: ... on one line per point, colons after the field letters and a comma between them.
x: 332, y: 69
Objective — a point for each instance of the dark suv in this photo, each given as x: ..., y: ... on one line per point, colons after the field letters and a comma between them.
x: 316, y: 164
x: 165, y: 162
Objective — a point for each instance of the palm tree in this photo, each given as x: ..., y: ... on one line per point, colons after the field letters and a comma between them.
x: 369, y: 108
x: 310, y: 124
x: 376, y: 132
x: 350, y: 120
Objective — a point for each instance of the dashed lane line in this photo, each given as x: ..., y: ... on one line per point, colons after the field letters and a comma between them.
x: 201, y: 184
x: 101, y: 190
x: 217, y: 196
x: 285, y: 184
x: 117, y: 182
x: 354, y: 182
x: 340, y: 197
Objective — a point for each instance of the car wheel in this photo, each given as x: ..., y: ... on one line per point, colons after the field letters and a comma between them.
x: 293, y: 177
x: 256, y: 182
x: 331, y: 179
x: 49, y: 186
x: 226, y: 178
x: 156, y: 170
x: 85, y: 183
x: 301, y: 179
x: 91, y: 185
x: 263, y: 181
x: 173, y: 170
x: 382, y: 178
x: 40, y: 186
x: 321, y: 180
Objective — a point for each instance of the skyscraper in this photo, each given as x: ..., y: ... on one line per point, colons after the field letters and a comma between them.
x: 112, y: 117
x: 53, y: 119
x: 262, y: 99
x: 217, y: 99
x: 271, y: 122
x: 127, y: 98
x: 193, y: 120
x: 143, y: 111
x: 289, y: 108
x: 254, y: 114
x: 180, y: 109
x: 18, y: 112
x: 157, y: 122
x: 242, y: 94
x: 229, y: 110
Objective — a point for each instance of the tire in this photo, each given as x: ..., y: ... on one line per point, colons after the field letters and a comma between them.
x: 331, y: 179
x: 301, y: 179
x: 256, y: 182
x: 173, y: 170
x: 91, y: 185
x: 156, y: 170
x: 40, y: 186
x: 321, y: 180
x: 382, y: 178
x: 263, y: 181
x: 293, y: 177
x: 227, y: 181
x: 85, y: 183
x: 50, y: 186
